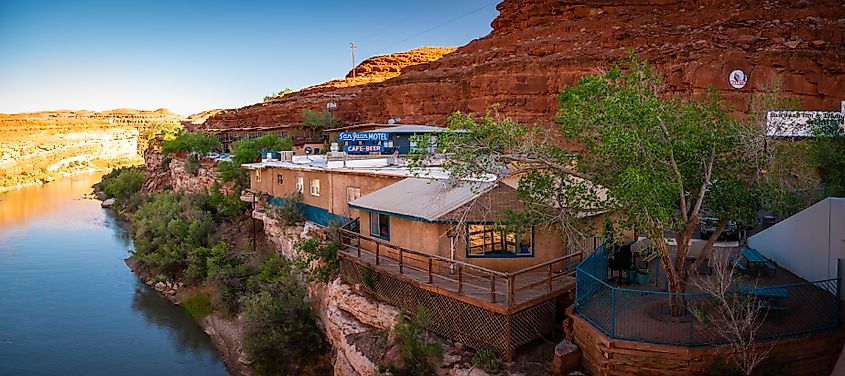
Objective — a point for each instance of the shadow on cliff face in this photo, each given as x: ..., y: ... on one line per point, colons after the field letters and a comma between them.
x: 184, y: 331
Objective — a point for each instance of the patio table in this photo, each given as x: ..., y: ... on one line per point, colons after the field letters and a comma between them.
x: 772, y: 293
x: 756, y: 260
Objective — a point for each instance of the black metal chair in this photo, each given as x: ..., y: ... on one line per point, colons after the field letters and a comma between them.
x: 621, y: 261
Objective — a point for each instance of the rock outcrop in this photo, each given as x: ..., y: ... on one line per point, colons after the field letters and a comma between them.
x: 345, y: 314
x: 538, y: 46
x: 39, y: 146
x: 172, y: 173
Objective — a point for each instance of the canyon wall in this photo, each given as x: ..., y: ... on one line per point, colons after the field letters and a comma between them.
x: 38, y: 147
x: 538, y: 46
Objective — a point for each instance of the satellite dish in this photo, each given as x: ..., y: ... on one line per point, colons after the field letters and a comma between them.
x: 391, y: 121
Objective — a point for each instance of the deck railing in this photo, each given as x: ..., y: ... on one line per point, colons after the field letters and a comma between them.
x: 501, y: 288
x: 644, y: 315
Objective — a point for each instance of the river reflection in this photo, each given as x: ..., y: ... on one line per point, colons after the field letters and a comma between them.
x: 68, y: 303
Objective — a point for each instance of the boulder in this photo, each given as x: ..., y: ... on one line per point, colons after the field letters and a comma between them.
x: 567, y: 357
x: 107, y: 203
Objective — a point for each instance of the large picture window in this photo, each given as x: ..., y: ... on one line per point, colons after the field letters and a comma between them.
x: 490, y: 240
x: 380, y: 225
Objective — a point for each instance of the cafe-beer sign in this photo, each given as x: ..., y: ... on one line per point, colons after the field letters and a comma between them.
x: 800, y: 123
x: 362, y: 136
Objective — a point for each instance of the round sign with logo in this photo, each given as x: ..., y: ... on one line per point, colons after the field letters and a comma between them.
x: 738, y: 79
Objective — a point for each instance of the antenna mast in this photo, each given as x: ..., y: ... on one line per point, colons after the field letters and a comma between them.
x: 352, y: 45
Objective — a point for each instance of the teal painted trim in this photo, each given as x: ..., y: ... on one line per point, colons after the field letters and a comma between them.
x: 418, y: 219
x: 312, y: 213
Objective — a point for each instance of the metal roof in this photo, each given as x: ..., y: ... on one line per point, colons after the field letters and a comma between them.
x: 418, y: 198
x: 410, y: 128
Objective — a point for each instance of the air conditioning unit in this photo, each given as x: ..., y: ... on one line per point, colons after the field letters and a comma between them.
x: 286, y: 155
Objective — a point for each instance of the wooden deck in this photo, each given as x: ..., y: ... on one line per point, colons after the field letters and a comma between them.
x: 500, y: 292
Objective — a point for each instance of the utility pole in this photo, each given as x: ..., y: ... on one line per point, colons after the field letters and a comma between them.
x: 352, y: 45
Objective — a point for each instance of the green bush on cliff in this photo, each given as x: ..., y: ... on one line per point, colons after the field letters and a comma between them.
x: 169, y: 227
x: 198, y: 143
x: 281, y: 334
x: 225, y: 206
x: 122, y: 182
x: 249, y: 151
x: 419, y: 355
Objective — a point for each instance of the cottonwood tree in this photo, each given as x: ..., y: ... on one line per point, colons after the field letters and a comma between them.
x: 625, y: 148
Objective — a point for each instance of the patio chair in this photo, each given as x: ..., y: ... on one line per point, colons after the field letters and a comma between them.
x: 621, y: 261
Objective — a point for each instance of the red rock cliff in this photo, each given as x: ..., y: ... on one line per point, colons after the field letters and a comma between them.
x: 538, y: 46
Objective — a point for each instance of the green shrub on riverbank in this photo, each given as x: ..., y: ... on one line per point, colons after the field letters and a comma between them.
x: 169, y: 228
x: 198, y: 305
x: 281, y: 334
x: 122, y: 183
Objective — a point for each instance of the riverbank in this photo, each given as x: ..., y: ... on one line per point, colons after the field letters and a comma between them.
x: 225, y: 333
x: 69, y: 174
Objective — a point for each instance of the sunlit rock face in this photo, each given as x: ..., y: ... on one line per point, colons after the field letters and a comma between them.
x: 40, y: 146
x: 538, y: 46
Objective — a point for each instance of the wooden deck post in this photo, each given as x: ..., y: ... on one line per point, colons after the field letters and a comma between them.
x: 511, y: 280
x: 430, y: 277
x: 401, y: 260
x: 377, y: 251
x: 550, y: 278
x: 492, y: 288
x: 460, y: 278
x: 358, y: 243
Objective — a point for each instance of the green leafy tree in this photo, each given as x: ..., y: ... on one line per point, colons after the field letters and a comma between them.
x: 196, y: 143
x: 624, y: 148
x: 319, y: 119
x: 827, y: 154
x: 123, y: 182
x: 249, y: 151
x: 281, y: 93
x: 280, y: 331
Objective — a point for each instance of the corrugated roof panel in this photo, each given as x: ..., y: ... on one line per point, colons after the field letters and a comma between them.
x: 427, y: 199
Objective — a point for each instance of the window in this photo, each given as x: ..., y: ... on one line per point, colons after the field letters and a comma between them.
x: 352, y: 193
x: 300, y: 184
x: 258, y: 176
x: 488, y: 240
x: 280, y: 179
x: 380, y: 225
x: 315, y: 187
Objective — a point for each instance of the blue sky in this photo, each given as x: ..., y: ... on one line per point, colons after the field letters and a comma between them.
x: 193, y: 56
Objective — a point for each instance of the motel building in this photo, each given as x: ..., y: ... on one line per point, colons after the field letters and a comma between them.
x: 433, y: 243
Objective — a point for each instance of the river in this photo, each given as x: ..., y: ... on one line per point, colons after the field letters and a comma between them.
x: 68, y: 303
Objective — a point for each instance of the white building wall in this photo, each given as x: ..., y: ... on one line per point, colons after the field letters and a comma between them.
x: 808, y: 243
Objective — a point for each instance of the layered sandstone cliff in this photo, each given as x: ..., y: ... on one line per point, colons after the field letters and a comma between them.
x: 37, y: 147
x: 538, y: 46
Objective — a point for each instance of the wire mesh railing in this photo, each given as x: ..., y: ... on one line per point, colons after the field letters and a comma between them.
x: 647, y: 316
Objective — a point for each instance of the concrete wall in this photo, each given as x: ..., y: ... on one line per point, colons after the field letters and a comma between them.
x: 808, y: 243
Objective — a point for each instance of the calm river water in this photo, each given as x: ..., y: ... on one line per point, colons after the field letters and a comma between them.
x: 68, y: 303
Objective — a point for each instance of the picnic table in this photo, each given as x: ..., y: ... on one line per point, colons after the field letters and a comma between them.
x: 757, y: 260
x: 767, y: 297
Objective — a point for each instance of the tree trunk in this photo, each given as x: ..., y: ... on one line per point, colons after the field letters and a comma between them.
x: 677, y: 305
x: 708, y: 247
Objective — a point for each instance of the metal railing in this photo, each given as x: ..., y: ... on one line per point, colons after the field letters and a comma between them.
x: 501, y: 288
x: 645, y: 315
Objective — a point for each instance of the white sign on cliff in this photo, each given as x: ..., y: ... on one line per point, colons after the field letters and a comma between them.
x: 800, y: 123
x: 738, y: 79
